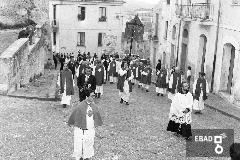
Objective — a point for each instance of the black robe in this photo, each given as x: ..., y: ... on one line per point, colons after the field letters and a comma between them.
x: 66, y: 75
x: 85, y: 87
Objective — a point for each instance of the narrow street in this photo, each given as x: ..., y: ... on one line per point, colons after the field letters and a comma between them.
x: 32, y: 129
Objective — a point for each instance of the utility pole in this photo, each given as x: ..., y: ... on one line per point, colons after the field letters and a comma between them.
x: 216, y: 45
x: 179, y: 33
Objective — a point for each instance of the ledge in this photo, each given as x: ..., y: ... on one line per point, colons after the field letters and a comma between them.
x: 14, y: 48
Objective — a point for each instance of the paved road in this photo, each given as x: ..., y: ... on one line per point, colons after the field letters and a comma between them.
x: 32, y: 129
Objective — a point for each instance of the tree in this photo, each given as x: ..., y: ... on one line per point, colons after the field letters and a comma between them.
x: 28, y: 5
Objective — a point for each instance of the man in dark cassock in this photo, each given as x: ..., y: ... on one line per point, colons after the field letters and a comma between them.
x: 112, y: 71
x: 147, y: 76
x: 81, y: 67
x: 139, y: 74
x: 161, y: 84
x: 158, y: 67
x: 84, y: 56
x: 124, y: 83
x: 62, y: 60
x: 99, y: 74
x: 200, y: 91
x: 65, y: 81
x: 175, y: 82
x: 235, y: 151
x: 86, y: 81
x: 72, y: 66
x: 105, y: 64
x: 85, y: 118
x: 55, y: 60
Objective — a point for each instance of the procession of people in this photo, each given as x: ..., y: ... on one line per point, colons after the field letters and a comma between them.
x: 91, y: 73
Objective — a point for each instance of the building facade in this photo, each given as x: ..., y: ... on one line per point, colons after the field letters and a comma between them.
x: 89, y: 26
x: 202, y: 34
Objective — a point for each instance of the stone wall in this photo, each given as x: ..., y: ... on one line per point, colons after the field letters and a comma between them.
x: 20, y: 62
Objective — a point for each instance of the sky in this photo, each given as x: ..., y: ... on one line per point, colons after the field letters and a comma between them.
x: 133, y: 4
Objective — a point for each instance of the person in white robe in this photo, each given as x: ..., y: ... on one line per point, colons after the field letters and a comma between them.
x: 200, y: 90
x: 65, y: 82
x: 180, y: 112
x: 85, y: 118
x: 124, y: 83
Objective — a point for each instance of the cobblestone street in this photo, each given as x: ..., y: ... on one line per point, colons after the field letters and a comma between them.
x: 32, y: 129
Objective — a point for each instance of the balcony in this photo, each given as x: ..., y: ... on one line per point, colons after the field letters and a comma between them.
x: 202, y: 12
x: 103, y: 19
x: 155, y: 38
x: 55, y: 25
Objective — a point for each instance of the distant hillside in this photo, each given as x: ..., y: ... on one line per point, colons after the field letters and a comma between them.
x: 12, y: 15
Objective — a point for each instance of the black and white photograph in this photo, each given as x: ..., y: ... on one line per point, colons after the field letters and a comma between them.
x: 119, y: 79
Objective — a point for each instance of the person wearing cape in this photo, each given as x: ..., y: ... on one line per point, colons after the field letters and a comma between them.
x: 147, y: 76
x: 174, y: 82
x: 200, y: 91
x: 65, y: 82
x: 124, y: 83
x: 85, y: 118
x: 180, y: 112
x: 162, y: 80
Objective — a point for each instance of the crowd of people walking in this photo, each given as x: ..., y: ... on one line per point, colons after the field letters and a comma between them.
x: 91, y: 72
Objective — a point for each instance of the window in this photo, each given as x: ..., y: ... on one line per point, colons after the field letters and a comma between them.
x: 174, y: 32
x: 81, y: 13
x: 100, y: 39
x: 166, y: 30
x: 168, y: 1
x: 54, y: 38
x: 102, y: 16
x: 185, y: 33
x: 81, y: 39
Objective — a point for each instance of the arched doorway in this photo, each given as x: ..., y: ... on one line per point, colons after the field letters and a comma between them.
x: 227, y: 68
x: 184, y: 50
x: 202, y: 53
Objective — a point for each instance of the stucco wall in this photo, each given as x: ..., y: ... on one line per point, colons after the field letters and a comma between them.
x: 69, y: 26
x: 20, y: 62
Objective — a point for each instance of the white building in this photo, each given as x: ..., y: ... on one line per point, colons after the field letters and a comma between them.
x: 93, y: 26
x: 202, y: 34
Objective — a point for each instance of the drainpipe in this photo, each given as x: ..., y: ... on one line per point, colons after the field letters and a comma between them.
x: 179, y: 31
x: 216, y: 45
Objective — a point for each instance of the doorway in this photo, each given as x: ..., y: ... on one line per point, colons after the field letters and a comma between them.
x: 227, y: 68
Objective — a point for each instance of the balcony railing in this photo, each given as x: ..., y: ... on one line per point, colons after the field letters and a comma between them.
x: 155, y: 38
x: 236, y: 2
x: 55, y: 25
x: 202, y: 11
x: 103, y: 19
